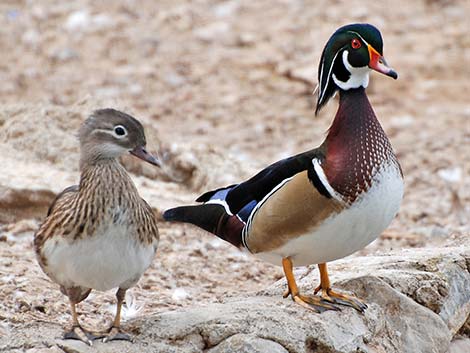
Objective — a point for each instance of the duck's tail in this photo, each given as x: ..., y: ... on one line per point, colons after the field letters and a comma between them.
x: 210, y: 217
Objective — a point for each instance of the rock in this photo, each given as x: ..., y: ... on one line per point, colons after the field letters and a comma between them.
x: 19, y: 203
x: 460, y: 345
x: 247, y: 344
x: 418, y: 300
x: 302, y: 74
x: 55, y: 349
x: 197, y: 166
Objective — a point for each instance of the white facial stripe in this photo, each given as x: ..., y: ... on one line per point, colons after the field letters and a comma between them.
x: 321, y: 91
x: 359, y: 75
x: 357, y: 34
x: 321, y: 75
x: 363, y: 39
x: 109, y: 132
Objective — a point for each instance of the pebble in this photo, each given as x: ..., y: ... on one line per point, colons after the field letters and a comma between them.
x: 179, y: 294
x: 451, y: 175
x: 77, y: 20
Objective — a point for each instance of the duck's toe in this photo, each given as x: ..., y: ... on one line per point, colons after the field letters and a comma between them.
x: 343, y: 299
x: 116, y: 334
x: 79, y: 333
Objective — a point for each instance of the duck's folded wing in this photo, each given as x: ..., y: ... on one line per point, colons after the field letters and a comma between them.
x: 241, y: 199
x: 227, y: 211
x: 70, y: 189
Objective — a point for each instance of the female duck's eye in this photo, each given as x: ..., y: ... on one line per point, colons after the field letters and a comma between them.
x: 120, y: 130
x: 356, y: 44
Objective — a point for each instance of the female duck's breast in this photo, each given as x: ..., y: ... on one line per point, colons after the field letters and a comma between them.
x: 351, y: 229
x: 110, y: 258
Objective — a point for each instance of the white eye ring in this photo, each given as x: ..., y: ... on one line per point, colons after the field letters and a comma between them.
x: 119, y: 131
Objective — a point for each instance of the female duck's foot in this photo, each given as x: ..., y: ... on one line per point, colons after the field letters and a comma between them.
x: 79, y: 333
x: 115, y: 334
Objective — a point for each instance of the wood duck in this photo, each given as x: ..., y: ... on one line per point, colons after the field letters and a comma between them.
x: 326, y: 203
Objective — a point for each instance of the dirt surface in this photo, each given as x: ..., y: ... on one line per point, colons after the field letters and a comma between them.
x: 223, y: 88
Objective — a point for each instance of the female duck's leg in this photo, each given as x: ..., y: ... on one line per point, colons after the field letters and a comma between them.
x: 115, y: 332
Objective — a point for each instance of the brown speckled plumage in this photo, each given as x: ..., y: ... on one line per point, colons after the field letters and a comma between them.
x: 104, y: 193
x: 100, y: 234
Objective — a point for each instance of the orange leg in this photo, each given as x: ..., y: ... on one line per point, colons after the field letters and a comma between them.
x: 313, y: 303
x: 335, y: 297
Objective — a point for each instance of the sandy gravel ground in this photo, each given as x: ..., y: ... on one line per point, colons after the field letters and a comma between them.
x: 224, y: 88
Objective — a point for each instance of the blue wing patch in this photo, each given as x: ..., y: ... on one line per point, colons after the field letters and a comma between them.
x: 246, y: 211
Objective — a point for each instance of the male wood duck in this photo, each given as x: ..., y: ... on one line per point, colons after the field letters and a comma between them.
x: 326, y: 203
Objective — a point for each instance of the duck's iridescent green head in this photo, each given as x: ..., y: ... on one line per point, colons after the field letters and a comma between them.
x: 347, y: 58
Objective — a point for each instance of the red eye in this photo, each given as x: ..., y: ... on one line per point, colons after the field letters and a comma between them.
x: 356, y: 44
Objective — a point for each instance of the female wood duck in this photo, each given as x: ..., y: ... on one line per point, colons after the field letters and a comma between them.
x: 100, y: 234
x: 326, y: 203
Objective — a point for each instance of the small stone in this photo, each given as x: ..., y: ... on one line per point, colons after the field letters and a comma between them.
x: 451, y: 175
x: 212, y: 32
x: 179, y: 294
x: 78, y: 20
x: 246, y: 39
x: 64, y: 54
x: 31, y: 37
x: 174, y: 80
x: 226, y: 9
x: 402, y: 121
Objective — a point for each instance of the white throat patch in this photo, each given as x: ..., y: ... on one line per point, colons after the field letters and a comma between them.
x: 359, y: 75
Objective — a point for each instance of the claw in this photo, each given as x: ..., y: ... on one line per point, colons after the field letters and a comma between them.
x: 79, y: 333
x: 115, y: 334
x: 316, y: 304
x: 343, y: 299
x: 335, y: 297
